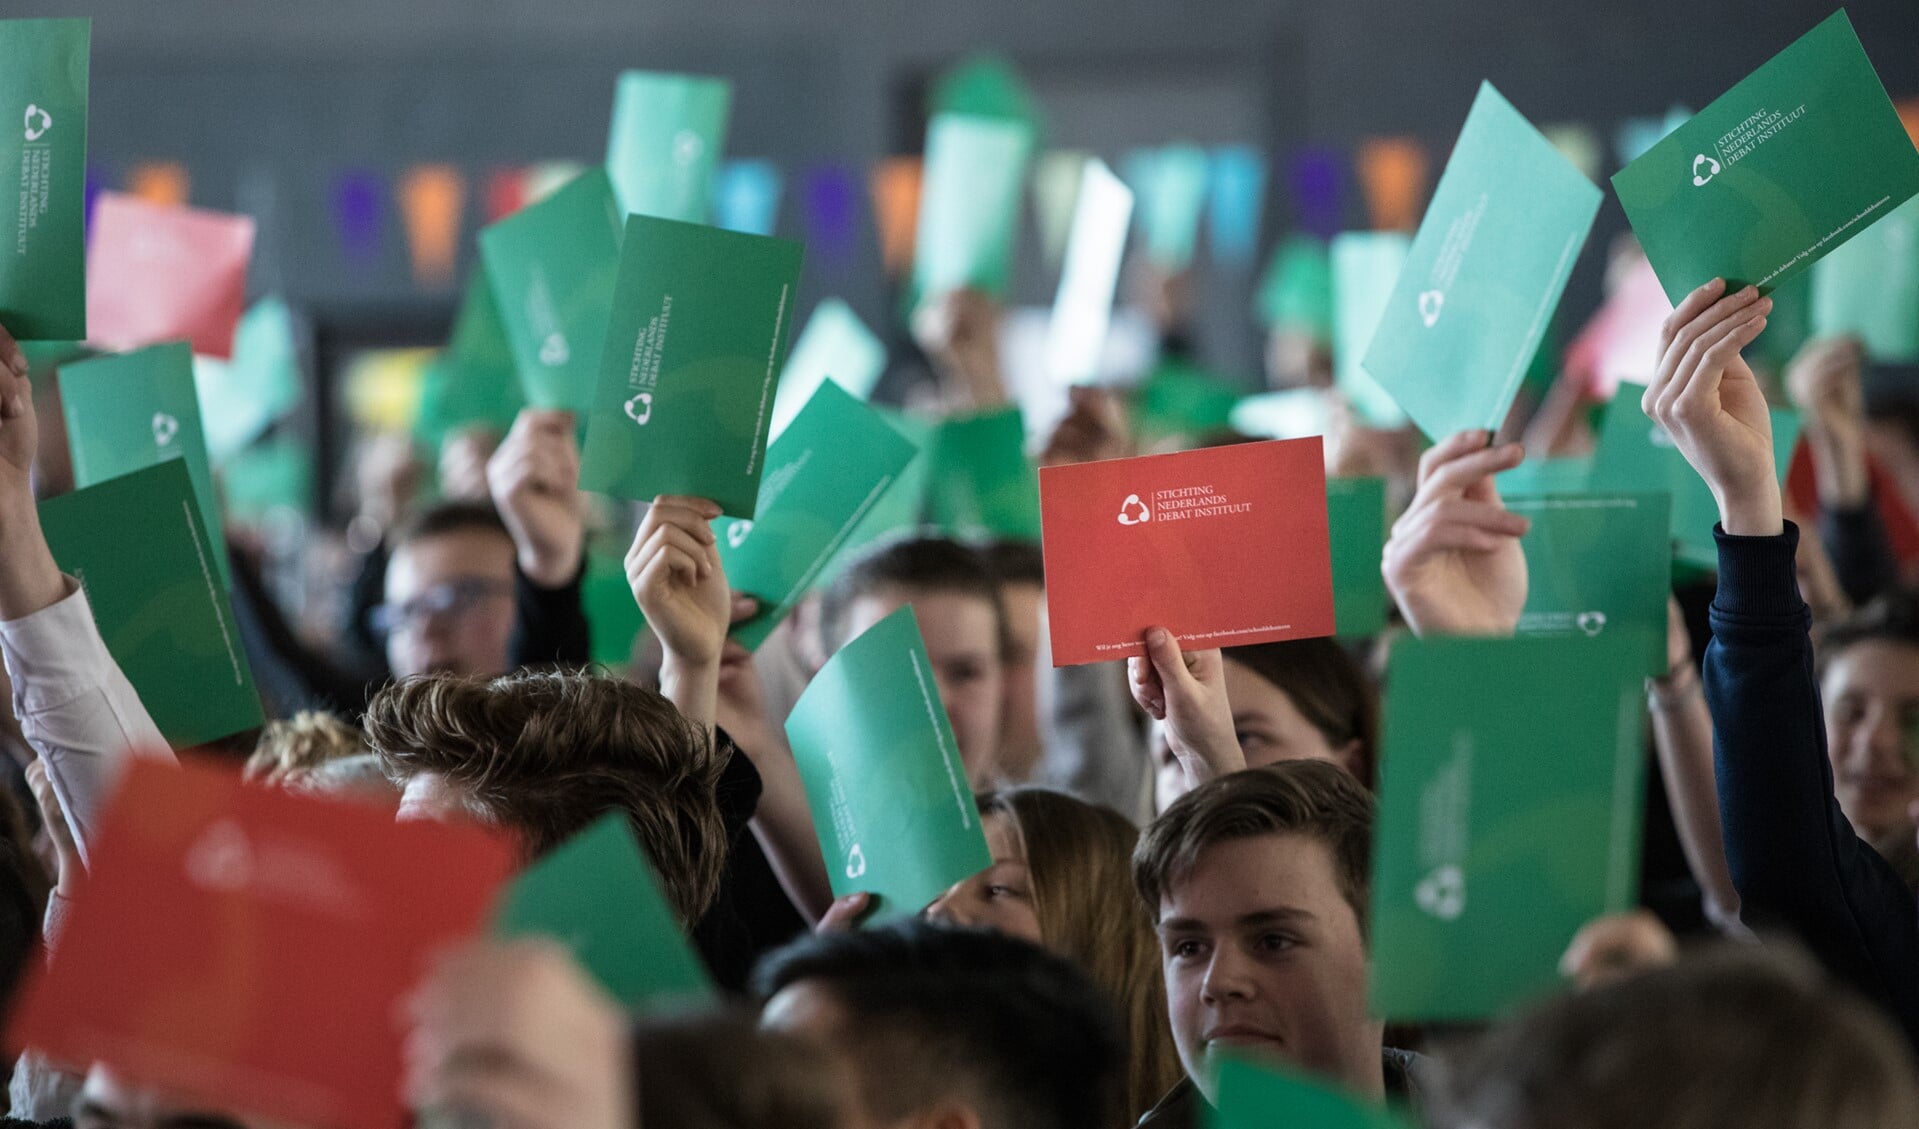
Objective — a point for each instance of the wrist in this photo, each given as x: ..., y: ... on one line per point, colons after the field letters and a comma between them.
x: 29, y: 578
x: 548, y: 568
x: 1755, y: 512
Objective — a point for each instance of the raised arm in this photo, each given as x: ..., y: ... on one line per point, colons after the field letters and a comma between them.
x: 534, y: 479
x: 1453, y: 562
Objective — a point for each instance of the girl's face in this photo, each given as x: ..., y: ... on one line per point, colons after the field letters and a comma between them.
x: 1871, y: 690
x: 1000, y: 897
x: 1269, y: 727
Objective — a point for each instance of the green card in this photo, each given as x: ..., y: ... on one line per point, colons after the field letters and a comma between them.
x: 1295, y: 413
x: 980, y: 482
x: 1258, y: 1097
x: 969, y: 208
x: 43, y: 150
x: 1296, y: 293
x: 276, y: 475
x: 1510, y: 795
x: 129, y: 411
x: 612, y: 615
x: 693, y: 350
x: 1180, y: 400
x: 902, y: 509
x: 599, y: 896
x: 474, y: 382
x: 1598, y: 564
x: 1356, y: 519
x: 1545, y: 478
x: 896, y: 818
x: 835, y: 345
x: 824, y: 477
x: 1171, y: 186
x: 1636, y: 456
x: 140, y: 547
x: 246, y: 394
x: 552, y: 268
x: 668, y: 133
x: 1365, y: 270
x: 984, y: 86
x: 1801, y: 156
x: 1869, y: 288
x: 1484, y: 275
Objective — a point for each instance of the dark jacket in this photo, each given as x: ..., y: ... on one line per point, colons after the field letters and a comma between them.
x: 1181, y: 1108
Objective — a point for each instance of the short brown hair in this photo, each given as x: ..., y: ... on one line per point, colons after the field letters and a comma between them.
x: 1329, y: 689
x: 548, y: 752
x: 723, y: 1072
x: 910, y: 566
x: 1312, y: 798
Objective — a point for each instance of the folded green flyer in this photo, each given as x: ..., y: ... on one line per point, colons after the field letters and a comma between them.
x: 598, y: 895
x: 835, y: 345
x: 473, y: 383
x: 131, y: 410
x: 1510, y: 798
x: 668, y: 133
x: 1542, y: 478
x: 43, y: 150
x: 243, y: 396
x: 824, y: 476
x: 552, y: 268
x: 693, y: 350
x: 1484, y: 275
x: 895, y: 815
x: 1869, y: 288
x: 1636, y: 456
x: 969, y: 208
x: 980, y: 482
x: 1260, y: 1097
x: 1366, y: 268
x: 1801, y: 156
x: 139, y: 546
x: 1598, y: 563
x: 1356, y: 519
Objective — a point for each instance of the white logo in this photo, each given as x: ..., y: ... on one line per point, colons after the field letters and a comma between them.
x: 1443, y: 893
x: 855, y: 862
x: 165, y: 427
x: 687, y: 147
x: 222, y: 858
x: 1661, y: 438
x: 1592, y: 623
x: 737, y: 535
x: 640, y: 408
x: 1134, y: 512
x: 1430, y: 304
x: 38, y: 123
x: 554, y: 350
x: 1711, y: 166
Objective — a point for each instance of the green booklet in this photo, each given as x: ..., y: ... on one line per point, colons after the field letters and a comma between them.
x: 825, y: 475
x: 1356, y: 519
x: 835, y: 345
x: 129, y: 411
x: 473, y: 382
x: 896, y: 818
x: 598, y: 895
x: 980, y: 484
x: 1869, y: 288
x: 1366, y: 268
x: 668, y: 133
x: 552, y: 267
x: 1260, y: 1097
x: 43, y: 150
x: 140, y: 547
x: 243, y: 396
x: 693, y: 350
x: 1636, y: 456
x: 1598, y: 564
x: 1484, y: 275
x: 969, y: 209
x: 1510, y: 796
x: 1801, y: 156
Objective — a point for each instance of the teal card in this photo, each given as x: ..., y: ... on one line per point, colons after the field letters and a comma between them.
x: 243, y: 396
x: 1356, y: 520
x: 1510, y: 796
x: 268, y: 478
x: 1366, y: 268
x: 668, y: 133
x: 1182, y: 402
x: 129, y: 411
x: 836, y: 346
x: 1296, y: 293
x: 552, y: 267
x: 1869, y: 289
x: 975, y: 172
x: 599, y: 896
x: 1543, y: 478
x: 612, y: 615
x: 1259, y: 1097
x: 139, y: 546
x: 902, y: 509
x: 980, y: 482
x: 1598, y: 564
x: 1484, y: 275
x: 1799, y: 157
x: 43, y: 152
x: 693, y: 350
x: 1170, y: 185
x: 895, y: 815
x: 473, y: 383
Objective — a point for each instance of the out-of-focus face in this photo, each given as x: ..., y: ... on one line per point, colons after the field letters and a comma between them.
x: 1020, y: 744
x: 963, y: 641
x: 1270, y: 729
x: 451, y: 602
x: 1000, y: 897
x: 1264, y: 958
x: 106, y: 1103
x: 1871, y: 691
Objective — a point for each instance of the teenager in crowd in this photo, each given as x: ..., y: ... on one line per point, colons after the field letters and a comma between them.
x: 1020, y: 571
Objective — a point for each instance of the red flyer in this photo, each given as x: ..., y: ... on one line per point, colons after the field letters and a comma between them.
x: 1223, y: 547
x: 157, y: 273
x: 247, y: 949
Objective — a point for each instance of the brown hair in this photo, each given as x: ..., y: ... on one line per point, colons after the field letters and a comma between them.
x: 723, y: 1072
x: 909, y: 565
x: 295, y: 746
x: 1079, y: 856
x: 1328, y: 688
x: 1893, y: 617
x: 1312, y: 798
x: 450, y: 517
x: 548, y: 752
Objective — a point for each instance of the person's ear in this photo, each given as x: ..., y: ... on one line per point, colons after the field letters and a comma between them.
x: 1351, y: 757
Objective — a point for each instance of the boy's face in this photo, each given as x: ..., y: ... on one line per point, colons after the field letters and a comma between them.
x: 962, y: 637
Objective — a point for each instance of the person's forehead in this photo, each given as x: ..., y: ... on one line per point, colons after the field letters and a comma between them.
x: 1255, y: 874
x: 476, y: 553
x: 1881, y: 666
x: 804, y: 1007
x: 948, y: 618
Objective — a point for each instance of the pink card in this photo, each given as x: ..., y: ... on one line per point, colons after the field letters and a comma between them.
x: 157, y: 273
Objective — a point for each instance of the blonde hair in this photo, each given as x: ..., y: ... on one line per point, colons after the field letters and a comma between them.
x: 294, y: 746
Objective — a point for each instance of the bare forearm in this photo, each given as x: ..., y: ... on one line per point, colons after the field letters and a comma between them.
x: 692, y: 687
x: 29, y: 578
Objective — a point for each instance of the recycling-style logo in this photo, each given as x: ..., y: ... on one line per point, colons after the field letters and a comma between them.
x: 165, y: 427
x: 1134, y: 512
x: 1592, y: 623
x: 1700, y: 180
x: 38, y: 123
x: 554, y: 350
x: 855, y: 862
x: 1430, y: 303
x: 737, y: 535
x: 1443, y: 893
x: 688, y: 146
x: 222, y: 858
x: 640, y: 408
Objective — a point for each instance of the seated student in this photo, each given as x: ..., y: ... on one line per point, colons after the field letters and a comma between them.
x: 957, y: 602
x: 1259, y: 883
x: 944, y: 1027
x: 1868, y: 666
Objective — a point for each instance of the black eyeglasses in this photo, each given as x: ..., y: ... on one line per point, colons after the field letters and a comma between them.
x: 450, y: 599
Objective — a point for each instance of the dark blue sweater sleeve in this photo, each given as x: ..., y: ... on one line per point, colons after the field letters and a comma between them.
x: 1794, y: 858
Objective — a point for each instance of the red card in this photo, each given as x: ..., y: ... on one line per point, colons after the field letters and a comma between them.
x: 1621, y: 343
x: 1223, y: 547
x: 157, y: 273
x: 247, y: 948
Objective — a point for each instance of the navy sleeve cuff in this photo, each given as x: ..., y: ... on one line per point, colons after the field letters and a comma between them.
x: 1756, y: 575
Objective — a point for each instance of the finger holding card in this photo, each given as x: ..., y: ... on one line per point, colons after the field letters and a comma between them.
x: 1454, y: 562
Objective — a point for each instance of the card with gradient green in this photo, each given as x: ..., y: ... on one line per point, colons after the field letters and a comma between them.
x: 668, y: 134
x: 969, y: 211
x: 1869, y: 289
x: 1262, y: 1097
x: 890, y: 798
x: 43, y: 152
x: 1356, y: 520
x: 473, y: 382
x: 981, y: 484
x: 902, y: 509
x: 1598, y: 564
x: 1366, y: 268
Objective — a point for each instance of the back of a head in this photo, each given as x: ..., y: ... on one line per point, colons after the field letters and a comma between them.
x: 296, y: 745
x: 722, y: 1072
x: 1329, y: 689
x: 1733, y: 1039
x: 933, y: 1014
x: 546, y: 753
x: 910, y: 566
x: 1016, y: 562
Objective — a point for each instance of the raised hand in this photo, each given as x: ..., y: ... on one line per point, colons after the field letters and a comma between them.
x: 1826, y: 381
x: 1707, y: 399
x: 1453, y: 562
x: 1187, y: 692
x: 960, y: 334
x: 1093, y: 430
x: 675, y: 573
x: 535, y: 481
x: 29, y: 580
